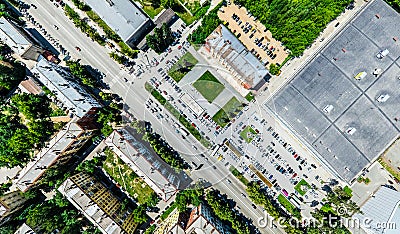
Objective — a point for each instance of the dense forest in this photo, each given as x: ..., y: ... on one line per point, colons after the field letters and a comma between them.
x: 295, y: 23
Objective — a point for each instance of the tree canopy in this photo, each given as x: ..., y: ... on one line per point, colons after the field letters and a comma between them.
x: 24, y: 126
x: 82, y: 73
x: 10, y: 74
x: 161, y: 39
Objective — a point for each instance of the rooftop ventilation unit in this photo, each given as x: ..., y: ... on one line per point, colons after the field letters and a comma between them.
x: 377, y: 72
x: 360, y: 75
x: 328, y: 108
x: 383, y: 98
x: 382, y: 54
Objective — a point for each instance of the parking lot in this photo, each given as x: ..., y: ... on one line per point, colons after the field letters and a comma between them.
x: 253, y: 34
x: 255, y: 149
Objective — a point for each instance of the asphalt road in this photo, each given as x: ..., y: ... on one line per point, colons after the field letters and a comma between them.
x: 134, y: 96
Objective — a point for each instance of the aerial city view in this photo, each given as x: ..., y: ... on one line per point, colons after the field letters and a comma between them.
x: 199, y: 116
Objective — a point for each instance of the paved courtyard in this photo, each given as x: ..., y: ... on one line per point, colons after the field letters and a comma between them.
x: 338, y: 116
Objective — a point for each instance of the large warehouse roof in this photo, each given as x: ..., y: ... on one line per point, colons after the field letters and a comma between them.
x: 347, y: 122
x: 123, y: 16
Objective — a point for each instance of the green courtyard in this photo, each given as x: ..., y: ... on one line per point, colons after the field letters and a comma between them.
x: 208, y: 86
x: 228, y: 112
x: 182, y: 67
x: 248, y: 134
x: 127, y: 178
x: 302, y: 187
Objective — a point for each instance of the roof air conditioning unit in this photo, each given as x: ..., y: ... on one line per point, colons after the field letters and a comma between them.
x: 383, y: 98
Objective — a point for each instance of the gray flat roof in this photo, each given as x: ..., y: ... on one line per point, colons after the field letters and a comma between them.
x: 62, y: 84
x: 381, y: 208
x: 13, y: 37
x: 328, y: 80
x: 123, y: 16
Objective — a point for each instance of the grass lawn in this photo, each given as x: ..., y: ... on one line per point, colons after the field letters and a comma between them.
x: 208, y: 86
x: 299, y: 185
x: 249, y: 97
x: 151, y: 10
x: 288, y: 206
x: 126, y: 177
x: 227, y: 112
x: 182, y: 67
x: 248, y: 134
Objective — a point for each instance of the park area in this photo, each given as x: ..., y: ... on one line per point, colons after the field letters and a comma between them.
x: 228, y: 112
x: 208, y: 86
x: 248, y: 134
x: 182, y: 67
x: 302, y: 187
x: 122, y: 174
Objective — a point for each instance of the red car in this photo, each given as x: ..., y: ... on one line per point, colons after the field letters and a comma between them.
x: 194, y: 125
x: 77, y: 48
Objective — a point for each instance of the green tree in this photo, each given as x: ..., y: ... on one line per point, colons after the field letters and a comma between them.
x: 274, y: 69
x: 139, y: 214
x: 160, y: 39
x: 82, y: 73
x: 168, y: 3
x: 32, y: 106
x: 10, y: 74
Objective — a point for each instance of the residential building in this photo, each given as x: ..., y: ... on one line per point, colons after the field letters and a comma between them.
x: 9, y: 204
x: 381, y: 213
x: 19, y: 40
x: 30, y: 85
x: 146, y: 163
x: 63, y: 85
x: 124, y: 17
x: 245, y: 68
x: 98, y: 204
x: 201, y: 220
x: 57, y: 151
